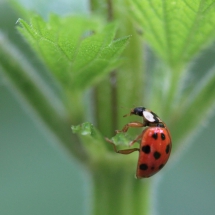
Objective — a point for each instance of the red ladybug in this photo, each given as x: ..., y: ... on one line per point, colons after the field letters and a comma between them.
x: 155, y: 145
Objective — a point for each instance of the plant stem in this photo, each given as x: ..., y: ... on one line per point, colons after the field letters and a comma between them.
x: 124, y: 88
x: 117, y: 192
x: 104, y: 92
x: 130, y: 75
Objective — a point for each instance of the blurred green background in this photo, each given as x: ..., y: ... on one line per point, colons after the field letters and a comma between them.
x: 37, y: 178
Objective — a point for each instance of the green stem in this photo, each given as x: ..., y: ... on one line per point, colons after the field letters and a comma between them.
x: 130, y: 86
x: 104, y: 92
x: 126, y: 89
x: 117, y: 192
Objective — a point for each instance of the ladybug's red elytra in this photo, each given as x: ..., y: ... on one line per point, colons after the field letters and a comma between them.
x: 155, y: 145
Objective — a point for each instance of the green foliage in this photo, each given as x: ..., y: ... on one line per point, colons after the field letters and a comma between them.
x: 41, y: 101
x: 95, y: 144
x: 78, y: 50
x: 93, y: 141
x: 176, y: 30
x: 194, y: 109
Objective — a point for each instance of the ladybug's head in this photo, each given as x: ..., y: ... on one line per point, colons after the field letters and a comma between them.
x: 136, y: 111
x: 148, y: 115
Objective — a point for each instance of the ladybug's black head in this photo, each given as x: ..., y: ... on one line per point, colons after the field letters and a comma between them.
x: 138, y: 111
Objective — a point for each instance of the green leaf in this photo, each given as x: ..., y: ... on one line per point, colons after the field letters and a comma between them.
x: 37, y: 97
x: 194, y: 109
x: 93, y: 141
x: 78, y: 50
x: 176, y: 30
x: 121, y: 139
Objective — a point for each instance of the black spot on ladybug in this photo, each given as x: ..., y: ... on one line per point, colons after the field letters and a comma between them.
x: 155, y: 136
x: 143, y: 166
x: 161, y: 166
x: 163, y: 137
x: 146, y: 149
x: 157, y: 155
x: 167, y: 149
x: 152, y: 168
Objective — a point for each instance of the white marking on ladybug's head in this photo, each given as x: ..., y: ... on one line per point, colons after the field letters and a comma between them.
x: 148, y: 116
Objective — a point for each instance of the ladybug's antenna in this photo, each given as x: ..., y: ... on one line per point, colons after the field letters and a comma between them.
x: 130, y: 113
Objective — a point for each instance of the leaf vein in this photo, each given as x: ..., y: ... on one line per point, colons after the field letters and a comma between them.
x: 206, y: 9
x: 154, y: 32
x: 191, y: 32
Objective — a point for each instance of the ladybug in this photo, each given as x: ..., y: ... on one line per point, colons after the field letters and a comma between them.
x: 155, y: 142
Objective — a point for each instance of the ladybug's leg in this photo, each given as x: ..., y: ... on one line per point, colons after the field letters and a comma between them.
x: 123, y: 151
x: 139, y: 137
x: 131, y: 124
